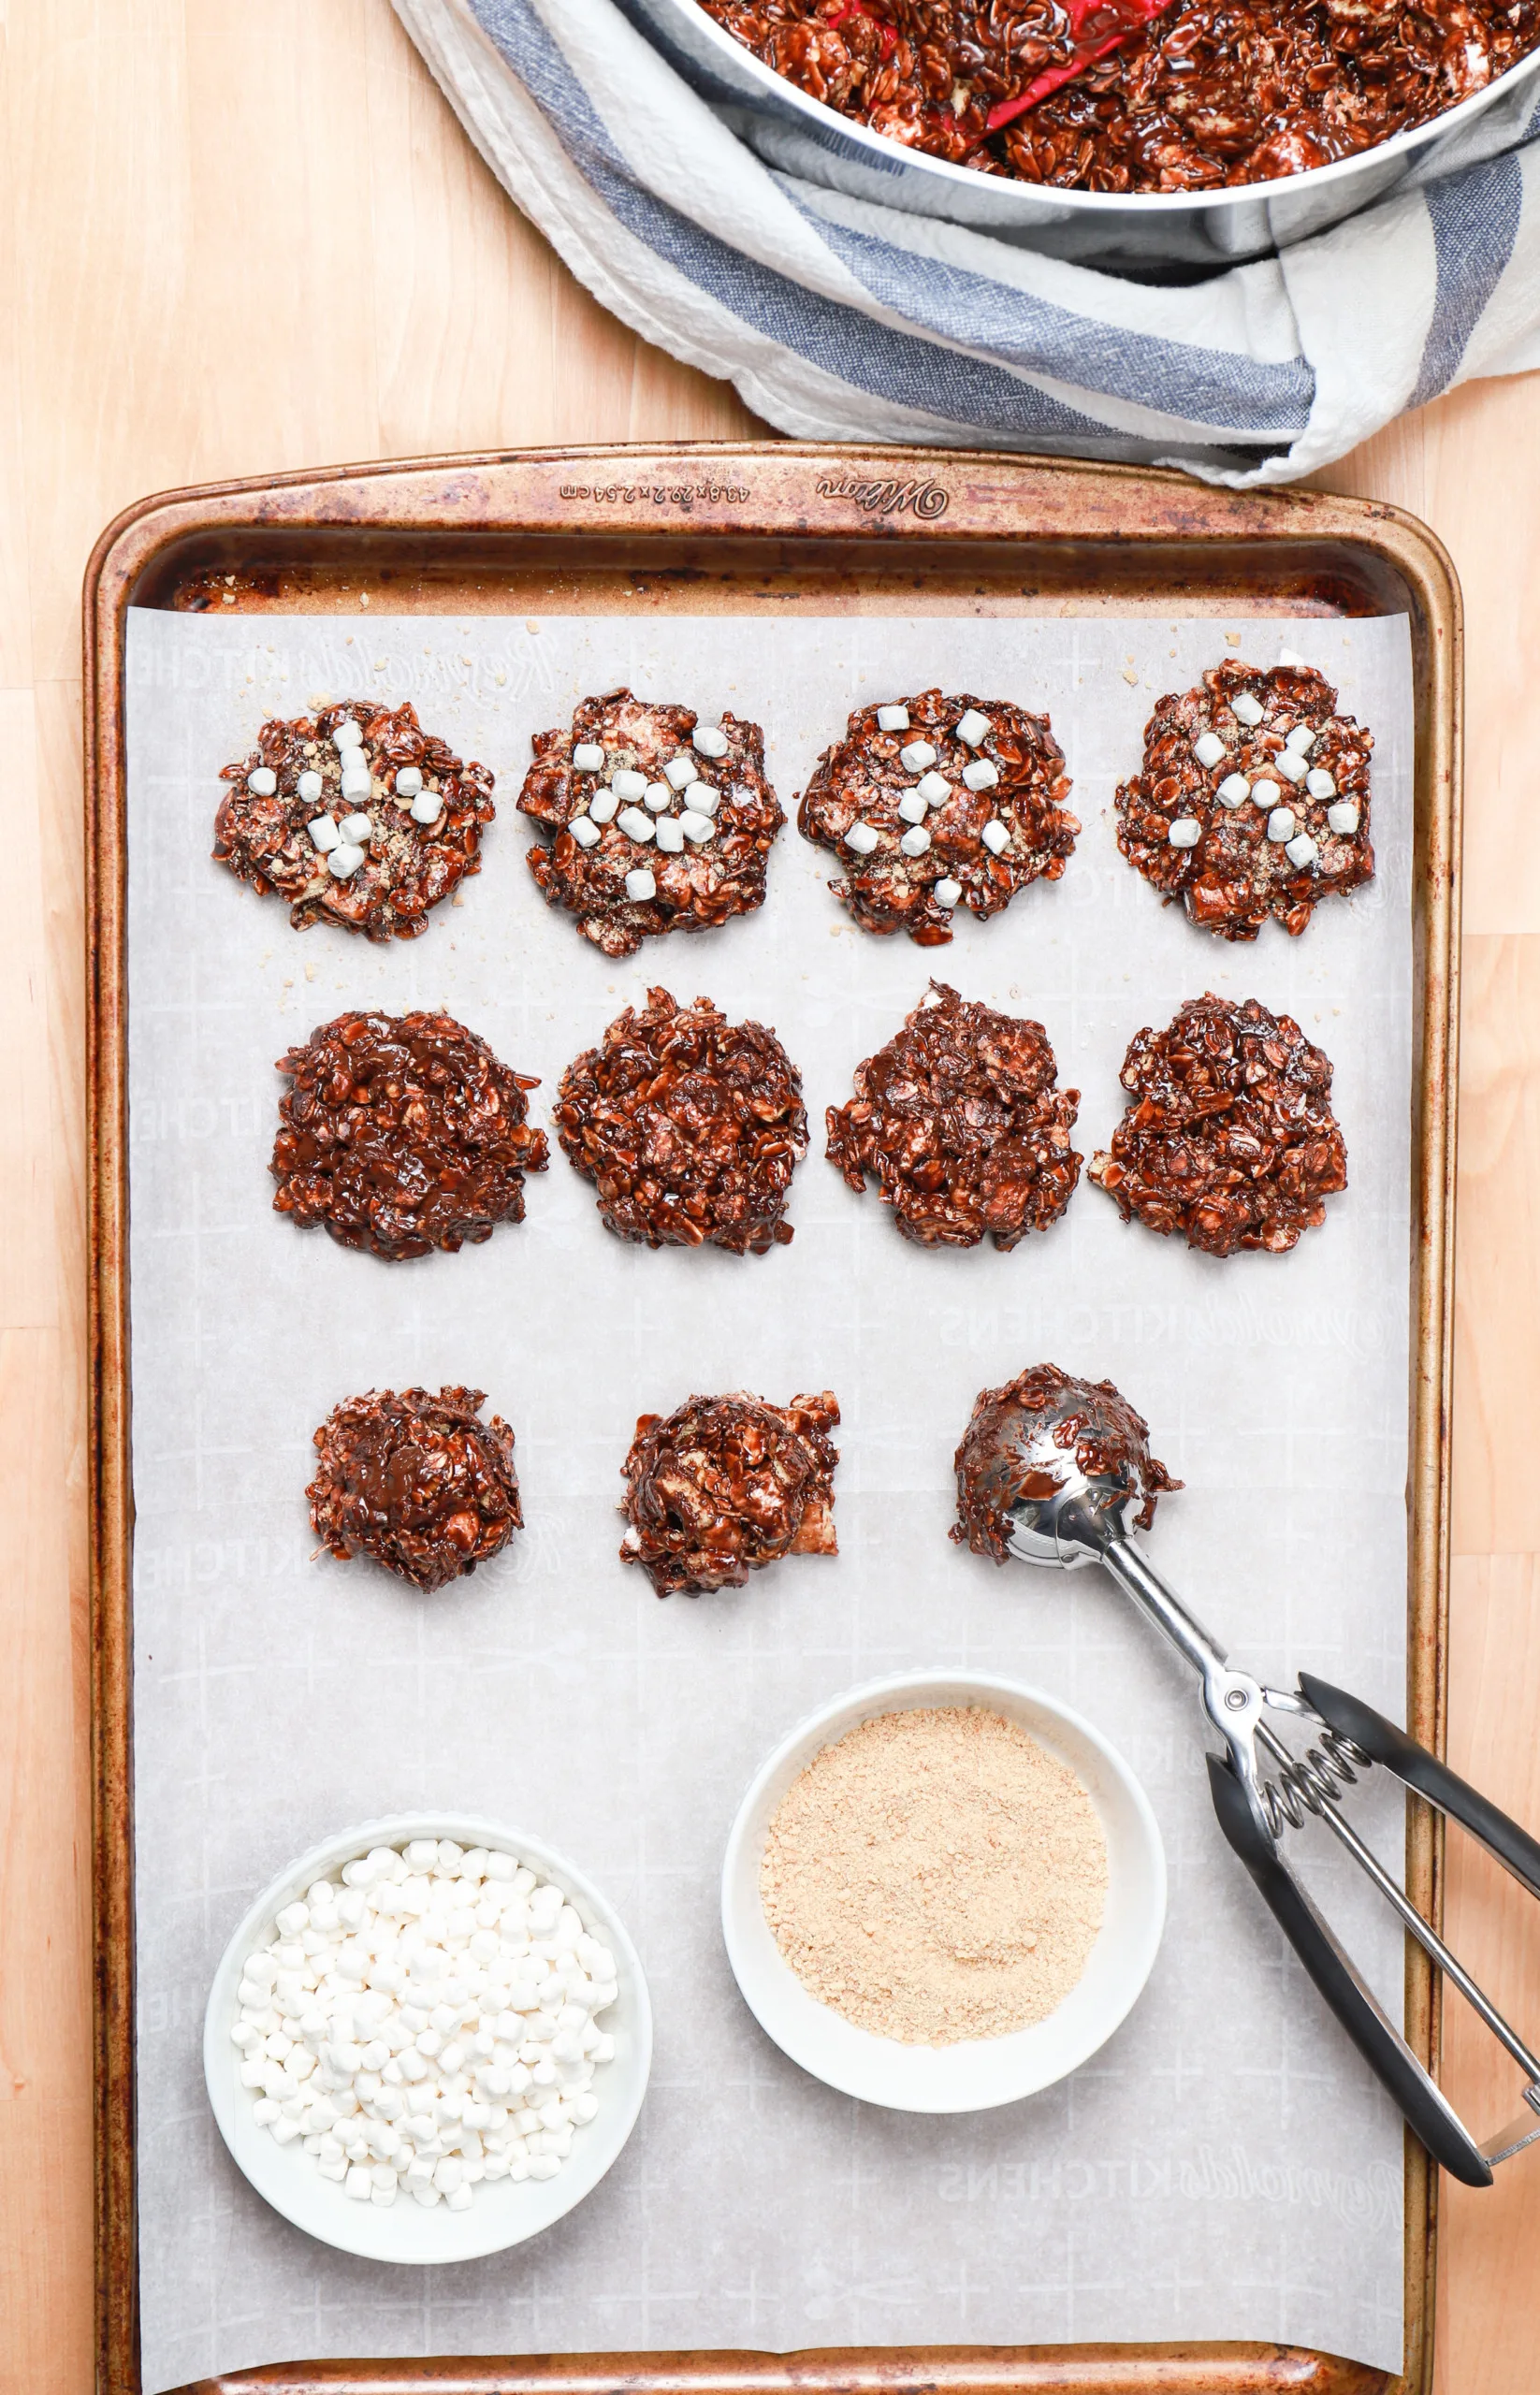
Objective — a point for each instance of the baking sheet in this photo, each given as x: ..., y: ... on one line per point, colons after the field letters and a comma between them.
x: 1226, y: 2167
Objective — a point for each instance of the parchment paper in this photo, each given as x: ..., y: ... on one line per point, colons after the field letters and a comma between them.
x: 1226, y: 2167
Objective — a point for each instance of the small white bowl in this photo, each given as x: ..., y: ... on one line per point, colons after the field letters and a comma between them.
x: 977, y: 2072
x: 501, y: 2214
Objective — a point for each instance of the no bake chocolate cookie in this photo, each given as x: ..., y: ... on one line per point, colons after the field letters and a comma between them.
x: 725, y: 1485
x: 659, y: 822
x: 689, y: 1126
x: 934, y: 802
x: 961, y: 1122
x: 420, y: 1483
x: 355, y: 816
x: 403, y: 1133
x: 1229, y: 1137
x: 1000, y: 1462
x: 1252, y: 800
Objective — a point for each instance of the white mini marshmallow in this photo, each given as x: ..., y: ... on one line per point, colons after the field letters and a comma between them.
x: 709, y: 739
x: 358, y: 2185
x: 681, y: 771
x: 671, y: 837
x: 934, y: 789
x: 587, y: 835
x: 426, y: 807
x: 982, y: 774
x: 894, y: 718
x: 1208, y: 748
x: 263, y: 782
x: 917, y: 756
x: 588, y: 757
x: 915, y: 843
x: 1282, y: 824
x: 1246, y: 709
x: 1233, y: 791
x: 628, y: 785
x: 1302, y: 739
x: 914, y: 807
x: 994, y: 836
x: 357, y: 781
x: 324, y: 834
x: 1185, y: 831
x: 1291, y: 766
x: 1290, y: 657
x: 1342, y: 819
x: 409, y: 781
x: 1301, y: 850
x: 344, y: 860
x: 357, y: 828
x: 1319, y: 783
x: 658, y: 797
x: 703, y: 797
x: 640, y: 885
x: 697, y: 827
x: 602, y: 805
x: 310, y: 784
x: 1265, y: 792
x: 348, y: 734
x: 862, y: 838
x: 972, y: 727
x: 636, y: 825
x: 947, y: 893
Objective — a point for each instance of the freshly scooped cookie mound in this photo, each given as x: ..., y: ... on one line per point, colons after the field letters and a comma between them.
x: 418, y: 1484
x: 401, y: 1134
x: 659, y: 822
x: 934, y: 803
x: 355, y: 816
x: 1252, y: 800
x: 725, y: 1485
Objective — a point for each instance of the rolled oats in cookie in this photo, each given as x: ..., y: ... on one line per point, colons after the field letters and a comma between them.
x: 1228, y: 1139
x: 1000, y: 1464
x: 1252, y: 800
x: 963, y: 805
x: 401, y: 1134
x: 961, y: 1122
x: 725, y: 1485
x: 419, y: 1483
x: 659, y: 821
x: 355, y: 816
x: 689, y: 1126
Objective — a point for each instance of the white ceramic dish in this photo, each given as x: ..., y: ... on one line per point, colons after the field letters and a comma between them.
x: 1107, y: 225
x: 979, y: 2072
x: 501, y: 2214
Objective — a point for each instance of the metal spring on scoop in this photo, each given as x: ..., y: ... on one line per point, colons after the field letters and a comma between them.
x: 1308, y: 1781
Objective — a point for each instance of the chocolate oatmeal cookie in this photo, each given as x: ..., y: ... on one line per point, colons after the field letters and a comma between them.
x: 660, y: 822
x: 934, y: 802
x: 356, y: 817
x: 1001, y: 1460
x: 962, y: 1123
x: 1253, y: 801
x: 1229, y: 1136
x: 417, y: 1483
x: 725, y: 1485
x: 403, y: 1133
x: 689, y: 1126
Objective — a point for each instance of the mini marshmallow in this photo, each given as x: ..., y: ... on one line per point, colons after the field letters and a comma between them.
x: 263, y: 783
x: 358, y: 2185
x: 344, y: 860
x: 1301, y: 850
x: 703, y: 797
x: 1246, y: 709
x: 972, y: 727
x: 709, y: 739
x: 310, y: 784
x: 1282, y: 824
x: 982, y: 774
x: 357, y: 828
x: 324, y: 834
x: 628, y: 785
x: 915, y: 843
x: 640, y: 885
x: 1265, y: 792
x: 1185, y: 831
x: 681, y: 771
x: 635, y: 825
x: 1319, y: 783
x: 917, y: 756
x: 671, y: 837
x: 409, y: 781
x: 697, y: 827
x: 1208, y: 748
x: 426, y: 807
x: 1291, y: 766
x: 947, y: 893
x: 894, y: 718
x: 862, y: 838
x: 658, y: 797
x: 347, y: 735
x: 602, y: 805
x: 934, y: 789
x: 1302, y: 739
x: 994, y: 836
x: 1233, y: 791
x: 357, y: 781
x: 914, y: 807
x: 1342, y: 819
x: 588, y: 757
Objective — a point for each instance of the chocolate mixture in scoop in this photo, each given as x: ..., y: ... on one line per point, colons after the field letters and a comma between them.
x: 1000, y: 1462
x: 724, y: 1485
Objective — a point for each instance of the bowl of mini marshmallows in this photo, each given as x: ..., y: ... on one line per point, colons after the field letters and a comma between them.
x: 428, y: 2039
x: 943, y: 1892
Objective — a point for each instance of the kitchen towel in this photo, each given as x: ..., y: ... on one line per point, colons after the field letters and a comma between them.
x: 838, y: 318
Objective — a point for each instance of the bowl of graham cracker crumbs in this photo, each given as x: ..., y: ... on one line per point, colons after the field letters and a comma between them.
x: 943, y: 1892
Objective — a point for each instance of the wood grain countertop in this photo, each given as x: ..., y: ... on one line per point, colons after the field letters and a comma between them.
x: 182, y: 241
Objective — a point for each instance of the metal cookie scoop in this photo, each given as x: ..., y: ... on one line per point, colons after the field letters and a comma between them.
x: 1047, y: 1473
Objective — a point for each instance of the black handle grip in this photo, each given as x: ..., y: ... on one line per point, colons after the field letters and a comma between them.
x: 1382, y: 2046
x: 1431, y: 1778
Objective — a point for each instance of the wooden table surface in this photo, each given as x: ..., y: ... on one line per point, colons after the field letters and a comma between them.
x: 246, y: 239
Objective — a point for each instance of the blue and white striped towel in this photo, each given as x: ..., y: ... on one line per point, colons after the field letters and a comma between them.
x: 838, y: 318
